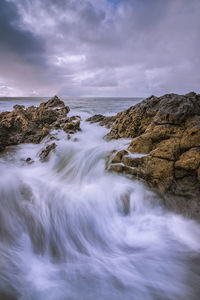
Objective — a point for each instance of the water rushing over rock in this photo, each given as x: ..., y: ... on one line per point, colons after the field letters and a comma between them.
x: 69, y: 229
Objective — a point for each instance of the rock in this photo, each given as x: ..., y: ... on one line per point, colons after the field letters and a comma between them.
x: 189, y: 160
x: 168, y: 149
x: 29, y: 160
x: 31, y: 125
x: 198, y: 173
x: 71, y: 127
x: 118, y: 157
x: 167, y: 130
x: 95, y: 118
x: 191, y: 136
x: 55, y: 102
x: 169, y: 109
x: 44, y: 154
x: 106, y: 121
x: 17, y: 106
x: 141, y: 144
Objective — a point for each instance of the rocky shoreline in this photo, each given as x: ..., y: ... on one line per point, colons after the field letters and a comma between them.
x: 31, y: 125
x: 164, y: 149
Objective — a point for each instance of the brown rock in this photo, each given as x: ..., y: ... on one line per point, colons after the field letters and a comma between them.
x: 118, y: 157
x: 141, y: 144
x: 31, y: 125
x: 191, y: 136
x: 106, y: 121
x: 169, y: 109
x: 168, y: 149
x: 157, y: 171
x: 189, y: 160
x: 166, y: 128
x: 71, y: 127
x: 198, y: 173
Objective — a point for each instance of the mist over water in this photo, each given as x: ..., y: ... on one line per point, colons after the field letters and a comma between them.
x: 69, y: 230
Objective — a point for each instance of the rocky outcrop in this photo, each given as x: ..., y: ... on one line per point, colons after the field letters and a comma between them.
x: 31, y: 125
x: 106, y: 121
x: 166, y: 130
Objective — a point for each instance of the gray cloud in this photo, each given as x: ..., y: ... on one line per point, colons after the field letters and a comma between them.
x: 99, y: 48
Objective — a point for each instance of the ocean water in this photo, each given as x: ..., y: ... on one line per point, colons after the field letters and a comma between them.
x: 65, y: 233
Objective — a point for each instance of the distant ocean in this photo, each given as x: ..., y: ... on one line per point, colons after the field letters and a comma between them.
x: 89, y: 105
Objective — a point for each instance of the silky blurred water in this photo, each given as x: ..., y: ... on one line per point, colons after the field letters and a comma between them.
x: 66, y: 232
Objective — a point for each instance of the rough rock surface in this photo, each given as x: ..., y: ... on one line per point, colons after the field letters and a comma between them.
x: 31, y: 125
x: 106, y: 121
x: 167, y: 130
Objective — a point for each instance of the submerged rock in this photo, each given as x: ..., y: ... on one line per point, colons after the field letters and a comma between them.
x: 167, y: 130
x: 31, y: 125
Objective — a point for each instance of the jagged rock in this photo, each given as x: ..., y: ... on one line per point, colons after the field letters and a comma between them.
x: 31, y: 125
x: 169, y: 109
x: 17, y: 106
x: 45, y: 152
x: 95, y: 118
x: 167, y: 130
x: 106, y: 121
x: 71, y: 127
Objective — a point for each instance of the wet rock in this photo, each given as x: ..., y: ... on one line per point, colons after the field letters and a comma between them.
x: 106, y: 121
x: 29, y: 160
x: 44, y: 154
x: 167, y: 130
x: 71, y: 127
x: 118, y: 157
x: 31, y: 125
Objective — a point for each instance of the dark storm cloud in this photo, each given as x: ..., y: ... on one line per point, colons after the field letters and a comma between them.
x: 92, y: 47
x: 16, y: 39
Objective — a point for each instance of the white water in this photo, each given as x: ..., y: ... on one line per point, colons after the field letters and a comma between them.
x: 65, y: 233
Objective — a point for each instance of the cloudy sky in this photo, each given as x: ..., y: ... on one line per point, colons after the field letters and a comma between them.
x: 99, y: 47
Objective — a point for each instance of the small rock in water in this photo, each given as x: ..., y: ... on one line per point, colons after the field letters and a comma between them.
x: 45, y: 152
x: 29, y: 160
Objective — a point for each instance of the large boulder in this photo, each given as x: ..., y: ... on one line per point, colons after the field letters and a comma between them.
x: 167, y: 131
x: 31, y: 125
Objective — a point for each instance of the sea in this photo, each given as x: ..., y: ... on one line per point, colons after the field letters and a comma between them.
x: 64, y: 234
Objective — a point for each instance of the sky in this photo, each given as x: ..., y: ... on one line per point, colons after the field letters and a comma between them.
x: 104, y: 48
